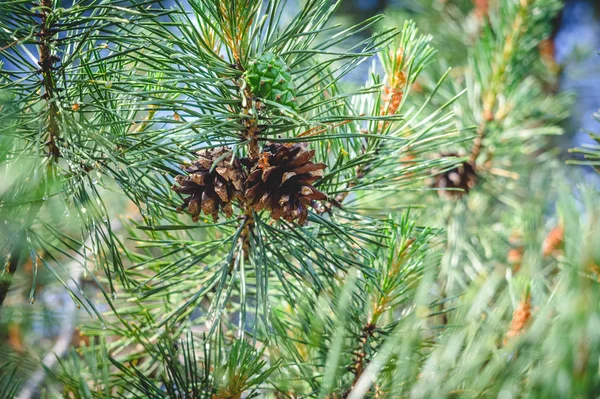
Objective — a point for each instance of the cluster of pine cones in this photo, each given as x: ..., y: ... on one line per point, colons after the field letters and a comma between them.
x: 280, y: 181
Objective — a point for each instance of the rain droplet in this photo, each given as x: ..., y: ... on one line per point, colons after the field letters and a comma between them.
x: 67, y: 213
x: 83, y: 210
x: 31, y: 301
x: 114, y: 296
x: 103, y: 326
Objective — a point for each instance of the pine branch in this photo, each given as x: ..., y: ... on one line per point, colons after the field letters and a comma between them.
x: 498, y: 78
x: 46, y: 63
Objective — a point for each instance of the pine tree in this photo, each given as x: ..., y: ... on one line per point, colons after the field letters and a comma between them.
x: 236, y: 220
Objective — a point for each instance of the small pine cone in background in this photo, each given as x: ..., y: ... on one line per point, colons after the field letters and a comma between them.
x: 514, y: 258
x: 481, y: 8
x: 281, y: 181
x: 520, y: 318
x: 516, y: 252
x: 209, y: 190
x: 460, y: 177
x: 553, y: 241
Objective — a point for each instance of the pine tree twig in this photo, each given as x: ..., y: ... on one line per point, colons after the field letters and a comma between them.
x: 392, y: 96
x: 490, y: 98
x: 143, y: 125
x: 250, y: 134
x: 361, y: 355
x: 9, y: 45
x: 46, y: 63
x: 381, y: 305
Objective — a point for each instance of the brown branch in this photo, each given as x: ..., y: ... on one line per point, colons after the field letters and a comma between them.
x: 250, y: 134
x: 361, y: 355
x: 46, y: 63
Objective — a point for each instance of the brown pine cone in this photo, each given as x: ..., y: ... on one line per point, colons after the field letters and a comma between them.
x: 281, y: 181
x: 460, y: 177
x: 209, y: 190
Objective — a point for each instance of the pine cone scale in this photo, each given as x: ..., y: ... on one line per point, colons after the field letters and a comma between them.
x: 310, y: 168
x: 211, y: 186
x: 310, y: 192
x: 281, y: 182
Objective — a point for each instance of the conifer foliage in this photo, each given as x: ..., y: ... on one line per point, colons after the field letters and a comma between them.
x: 230, y: 214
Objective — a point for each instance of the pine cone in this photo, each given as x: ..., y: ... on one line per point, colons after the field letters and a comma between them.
x: 269, y: 78
x: 461, y: 177
x: 281, y: 181
x: 210, y: 190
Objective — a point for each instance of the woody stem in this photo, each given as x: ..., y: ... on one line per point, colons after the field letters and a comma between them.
x: 46, y: 63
